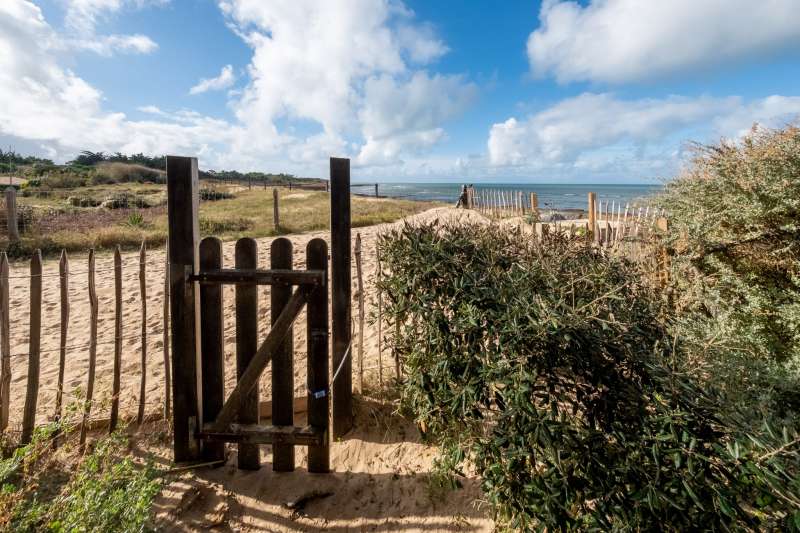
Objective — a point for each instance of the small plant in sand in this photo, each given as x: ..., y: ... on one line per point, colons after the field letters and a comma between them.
x: 105, y: 491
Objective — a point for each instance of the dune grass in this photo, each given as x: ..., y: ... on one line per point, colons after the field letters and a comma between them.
x: 249, y: 213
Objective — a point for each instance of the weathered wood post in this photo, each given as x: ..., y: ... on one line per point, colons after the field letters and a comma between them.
x: 592, y: 216
x: 534, y: 206
x: 5, y: 344
x: 34, y: 349
x: 276, y: 214
x: 11, y: 214
x: 115, y: 386
x: 182, y: 207
x: 376, y: 190
x: 63, y: 275
x: 143, y: 297
x: 342, y: 386
x: 360, y: 285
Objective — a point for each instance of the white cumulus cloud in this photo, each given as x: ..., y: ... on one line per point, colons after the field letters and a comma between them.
x: 225, y: 79
x: 83, y: 16
x: 595, y: 130
x: 619, y: 41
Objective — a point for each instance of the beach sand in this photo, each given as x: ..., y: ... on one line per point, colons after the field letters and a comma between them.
x: 380, y: 479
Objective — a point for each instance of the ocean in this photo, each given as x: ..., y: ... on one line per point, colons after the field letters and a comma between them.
x: 550, y: 196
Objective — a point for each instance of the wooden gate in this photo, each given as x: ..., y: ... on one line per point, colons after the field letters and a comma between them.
x: 203, y: 419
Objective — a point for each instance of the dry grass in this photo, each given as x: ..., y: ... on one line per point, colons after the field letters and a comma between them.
x: 248, y: 214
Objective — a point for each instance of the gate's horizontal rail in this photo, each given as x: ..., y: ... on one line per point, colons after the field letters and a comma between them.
x: 260, y: 277
x: 256, y: 434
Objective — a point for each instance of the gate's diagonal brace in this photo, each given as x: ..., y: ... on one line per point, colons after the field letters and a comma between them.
x: 260, y: 360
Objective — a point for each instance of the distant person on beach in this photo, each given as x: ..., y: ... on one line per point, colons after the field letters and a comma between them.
x: 462, y: 200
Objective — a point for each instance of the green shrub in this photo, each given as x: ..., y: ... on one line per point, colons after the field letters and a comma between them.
x: 552, y: 371
x: 212, y: 195
x: 735, y: 233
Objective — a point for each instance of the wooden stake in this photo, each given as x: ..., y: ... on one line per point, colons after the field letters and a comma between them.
x: 165, y: 338
x: 143, y: 294
x: 379, y: 275
x: 117, y: 339
x: 34, y: 349
x: 276, y: 215
x: 92, y: 350
x: 592, y: 216
x: 11, y: 214
x: 5, y: 344
x: 360, y: 282
x: 63, y: 271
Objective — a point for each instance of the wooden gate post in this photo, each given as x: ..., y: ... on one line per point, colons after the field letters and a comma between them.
x: 182, y: 209
x: 342, y: 386
x: 592, y: 216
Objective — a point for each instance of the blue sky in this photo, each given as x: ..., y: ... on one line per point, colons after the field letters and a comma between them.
x: 592, y: 91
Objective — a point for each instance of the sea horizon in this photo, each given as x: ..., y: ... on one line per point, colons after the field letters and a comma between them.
x: 550, y: 195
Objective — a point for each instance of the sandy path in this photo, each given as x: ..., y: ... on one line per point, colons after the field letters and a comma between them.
x: 78, y: 334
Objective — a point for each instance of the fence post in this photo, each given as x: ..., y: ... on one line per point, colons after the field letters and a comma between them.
x: 317, y: 369
x: 115, y: 388
x: 282, y: 359
x: 592, y: 216
x: 182, y: 208
x: 165, y: 338
x: 342, y: 387
x: 34, y: 346
x: 376, y: 190
x: 11, y: 214
x: 212, y: 328
x: 360, y: 281
x: 378, y: 276
x: 5, y: 344
x: 63, y: 271
x: 143, y: 293
x: 92, y: 349
x: 276, y: 214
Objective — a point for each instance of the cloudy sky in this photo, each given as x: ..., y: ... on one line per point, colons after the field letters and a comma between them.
x: 551, y: 91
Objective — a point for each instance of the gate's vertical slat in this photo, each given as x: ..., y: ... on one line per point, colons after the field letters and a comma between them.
x: 212, y: 328
x: 282, y: 364
x: 5, y: 343
x: 183, y: 203
x: 341, y: 289
x: 246, y: 346
x: 34, y: 346
x: 115, y: 388
x: 317, y: 334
